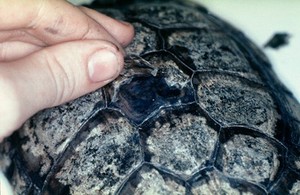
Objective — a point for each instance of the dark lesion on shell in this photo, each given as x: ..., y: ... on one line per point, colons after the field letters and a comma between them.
x: 156, y: 82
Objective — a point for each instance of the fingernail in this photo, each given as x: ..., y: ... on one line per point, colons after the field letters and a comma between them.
x: 124, y: 22
x: 103, y: 66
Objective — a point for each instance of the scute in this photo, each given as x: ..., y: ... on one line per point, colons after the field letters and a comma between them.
x: 149, y: 180
x: 168, y: 15
x: 255, y: 159
x: 236, y: 101
x: 197, y: 109
x: 211, y: 50
x: 105, y: 156
x: 212, y: 182
x: 143, y: 35
x: 179, y: 140
x: 164, y: 85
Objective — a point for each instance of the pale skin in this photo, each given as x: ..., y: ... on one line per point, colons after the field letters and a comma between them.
x: 52, y: 52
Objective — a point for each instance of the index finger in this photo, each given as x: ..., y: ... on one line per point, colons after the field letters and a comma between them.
x: 51, y: 21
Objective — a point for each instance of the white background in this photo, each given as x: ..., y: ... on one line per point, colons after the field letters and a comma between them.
x: 259, y: 20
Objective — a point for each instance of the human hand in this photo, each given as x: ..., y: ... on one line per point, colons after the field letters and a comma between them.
x: 52, y: 52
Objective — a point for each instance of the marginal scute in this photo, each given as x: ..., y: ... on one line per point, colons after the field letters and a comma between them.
x: 293, y: 107
x: 53, y: 126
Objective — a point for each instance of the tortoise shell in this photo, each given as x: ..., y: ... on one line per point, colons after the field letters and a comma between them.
x: 196, y: 110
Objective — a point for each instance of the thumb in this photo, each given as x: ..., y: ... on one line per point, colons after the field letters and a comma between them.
x: 52, y: 76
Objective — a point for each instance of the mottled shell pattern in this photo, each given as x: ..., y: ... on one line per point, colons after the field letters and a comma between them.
x: 196, y: 110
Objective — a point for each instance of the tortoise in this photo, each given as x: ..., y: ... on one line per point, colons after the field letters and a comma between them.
x: 196, y: 110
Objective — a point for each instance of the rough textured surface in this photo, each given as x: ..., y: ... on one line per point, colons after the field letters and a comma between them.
x: 150, y: 181
x: 251, y: 158
x: 214, y: 182
x: 105, y: 157
x: 179, y: 140
x: 197, y: 110
x: 234, y: 101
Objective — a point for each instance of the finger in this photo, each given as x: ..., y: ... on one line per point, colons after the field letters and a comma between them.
x: 13, y: 50
x: 52, y: 21
x: 123, y: 32
x: 53, y: 76
x: 20, y: 35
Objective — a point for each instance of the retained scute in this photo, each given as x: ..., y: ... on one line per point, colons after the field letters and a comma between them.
x: 164, y: 85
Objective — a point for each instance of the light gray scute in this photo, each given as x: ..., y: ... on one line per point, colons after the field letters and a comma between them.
x: 150, y: 181
x: 251, y: 158
x: 182, y: 143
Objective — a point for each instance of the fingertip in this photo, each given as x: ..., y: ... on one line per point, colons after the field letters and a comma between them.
x: 129, y: 35
x: 122, y: 31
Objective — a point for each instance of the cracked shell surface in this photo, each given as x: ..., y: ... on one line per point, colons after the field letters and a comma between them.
x: 196, y: 110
